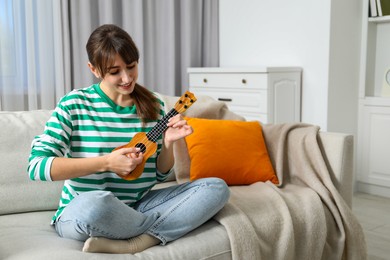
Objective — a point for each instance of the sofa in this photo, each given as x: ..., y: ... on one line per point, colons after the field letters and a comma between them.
x: 306, y: 217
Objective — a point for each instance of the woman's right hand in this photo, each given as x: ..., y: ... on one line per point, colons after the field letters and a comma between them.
x: 124, y: 161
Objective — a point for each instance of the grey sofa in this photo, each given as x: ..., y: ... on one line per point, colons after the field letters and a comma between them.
x: 26, y: 207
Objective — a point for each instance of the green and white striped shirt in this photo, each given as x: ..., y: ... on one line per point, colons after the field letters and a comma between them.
x: 87, y: 123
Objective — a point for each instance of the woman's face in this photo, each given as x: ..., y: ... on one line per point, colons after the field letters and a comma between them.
x: 120, y: 78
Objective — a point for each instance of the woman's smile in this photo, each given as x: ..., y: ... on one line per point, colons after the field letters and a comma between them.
x: 126, y: 87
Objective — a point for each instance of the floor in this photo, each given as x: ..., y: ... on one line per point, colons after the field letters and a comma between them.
x: 373, y: 213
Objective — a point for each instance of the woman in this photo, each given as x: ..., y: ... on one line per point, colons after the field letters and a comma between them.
x: 97, y: 205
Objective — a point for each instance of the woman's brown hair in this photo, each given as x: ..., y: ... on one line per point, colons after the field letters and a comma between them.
x: 104, y: 43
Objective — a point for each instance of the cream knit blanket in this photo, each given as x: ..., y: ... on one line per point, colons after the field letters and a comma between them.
x: 305, y: 218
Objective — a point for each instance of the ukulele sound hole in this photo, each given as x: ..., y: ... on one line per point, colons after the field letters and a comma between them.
x: 142, y: 147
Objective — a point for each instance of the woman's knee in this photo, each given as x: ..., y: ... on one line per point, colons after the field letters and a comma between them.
x: 90, y: 206
x: 219, y: 188
x: 81, y: 214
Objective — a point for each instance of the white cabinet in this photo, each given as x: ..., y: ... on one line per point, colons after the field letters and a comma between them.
x: 269, y: 95
x: 373, y: 143
x: 374, y: 147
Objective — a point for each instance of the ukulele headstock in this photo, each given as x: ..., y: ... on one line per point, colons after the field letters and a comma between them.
x: 185, y: 101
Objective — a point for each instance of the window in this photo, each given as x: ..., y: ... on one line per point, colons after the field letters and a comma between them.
x: 7, y: 40
x: 27, y: 60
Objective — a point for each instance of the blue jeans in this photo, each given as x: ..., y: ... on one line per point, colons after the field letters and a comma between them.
x: 166, y: 214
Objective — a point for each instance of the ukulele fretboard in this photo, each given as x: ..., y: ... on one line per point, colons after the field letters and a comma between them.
x: 161, y: 126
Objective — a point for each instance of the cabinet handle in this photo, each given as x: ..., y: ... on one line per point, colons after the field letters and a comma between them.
x: 225, y: 99
x: 243, y: 81
x: 205, y: 80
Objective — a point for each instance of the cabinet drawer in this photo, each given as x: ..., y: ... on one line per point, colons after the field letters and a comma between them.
x: 243, y: 101
x: 231, y: 80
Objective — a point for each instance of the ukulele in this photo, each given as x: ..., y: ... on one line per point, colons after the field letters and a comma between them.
x: 147, y: 142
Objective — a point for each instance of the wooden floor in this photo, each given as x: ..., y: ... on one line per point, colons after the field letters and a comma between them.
x: 373, y: 213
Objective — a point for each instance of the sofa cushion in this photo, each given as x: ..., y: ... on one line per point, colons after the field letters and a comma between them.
x: 218, y: 148
x: 29, y: 236
x: 17, y: 192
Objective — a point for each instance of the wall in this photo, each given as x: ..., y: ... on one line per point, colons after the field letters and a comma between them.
x: 301, y: 33
x: 344, y: 65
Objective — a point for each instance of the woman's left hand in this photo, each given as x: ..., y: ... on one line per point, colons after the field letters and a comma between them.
x: 177, y: 129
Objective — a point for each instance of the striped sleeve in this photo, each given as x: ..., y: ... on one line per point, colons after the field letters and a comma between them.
x: 161, y: 177
x: 54, y: 142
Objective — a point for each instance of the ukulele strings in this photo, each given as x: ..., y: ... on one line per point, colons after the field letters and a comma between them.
x: 160, y: 126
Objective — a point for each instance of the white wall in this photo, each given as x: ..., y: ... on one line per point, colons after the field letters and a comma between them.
x: 293, y: 33
x: 344, y: 65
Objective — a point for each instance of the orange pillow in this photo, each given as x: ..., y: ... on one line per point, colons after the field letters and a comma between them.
x: 234, y: 151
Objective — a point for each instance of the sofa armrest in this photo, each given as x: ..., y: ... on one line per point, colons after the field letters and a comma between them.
x: 338, y: 152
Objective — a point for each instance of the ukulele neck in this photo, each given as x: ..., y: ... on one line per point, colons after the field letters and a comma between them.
x: 161, y: 126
